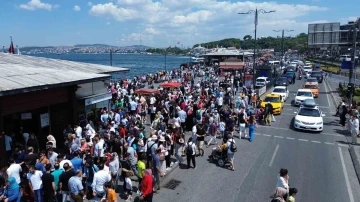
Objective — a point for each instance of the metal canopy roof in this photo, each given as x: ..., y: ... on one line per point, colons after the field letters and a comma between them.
x: 21, y: 73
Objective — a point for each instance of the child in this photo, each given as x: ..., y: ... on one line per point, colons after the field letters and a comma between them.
x: 292, y: 194
x: 128, y: 187
x: 110, y: 193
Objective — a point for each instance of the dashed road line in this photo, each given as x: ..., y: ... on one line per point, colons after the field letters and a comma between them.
x: 267, y: 135
x: 303, y: 140
x: 278, y: 136
x: 313, y: 141
x: 273, y: 157
x: 290, y: 138
x: 329, y: 143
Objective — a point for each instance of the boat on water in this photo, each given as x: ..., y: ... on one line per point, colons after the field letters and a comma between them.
x: 197, y: 59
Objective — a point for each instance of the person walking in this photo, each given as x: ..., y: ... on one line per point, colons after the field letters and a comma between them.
x: 231, y: 149
x: 212, y: 131
x: 49, y: 187
x: 147, y: 186
x: 100, y: 178
x: 354, y: 128
x: 35, y: 183
x: 267, y: 113
x: 200, y: 139
x: 190, y: 152
x: 252, y: 123
x: 242, y: 117
x: 76, y: 188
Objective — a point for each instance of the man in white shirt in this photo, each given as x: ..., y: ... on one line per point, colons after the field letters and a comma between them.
x: 133, y: 107
x: 100, y: 178
x: 152, y: 100
x: 283, y: 179
x: 78, y: 131
x: 99, y: 148
x: 14, y: 170
x: 62, y: 161
x: 190, y: 150
x: 219, y: 101
x: 35, y: 182
x: 194, y: 131
x: 354, y: 128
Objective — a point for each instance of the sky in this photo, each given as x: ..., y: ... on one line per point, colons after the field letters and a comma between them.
x: 158, y: 23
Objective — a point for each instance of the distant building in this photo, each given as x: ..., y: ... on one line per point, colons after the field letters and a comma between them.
x: 330, y: 38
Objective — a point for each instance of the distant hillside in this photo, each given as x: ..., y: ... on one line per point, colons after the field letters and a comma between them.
x: 92, y: 45
x: 298, y: 42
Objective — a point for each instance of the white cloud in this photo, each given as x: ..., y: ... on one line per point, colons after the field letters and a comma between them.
x: 37, y: 4
x: 197, y: 21
x: 77, y: 8
x: 90, y: 3
x: 108, y: 23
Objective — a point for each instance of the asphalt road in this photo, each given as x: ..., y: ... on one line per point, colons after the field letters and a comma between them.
x: 319, y: 164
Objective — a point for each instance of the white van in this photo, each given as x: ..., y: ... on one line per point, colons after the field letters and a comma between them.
x: 345, y: 58
x: 275, y: 62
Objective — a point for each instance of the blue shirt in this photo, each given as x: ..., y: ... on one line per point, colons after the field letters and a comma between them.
x: 75, y: 185
x: 77, y: 162
x: 41, y: 167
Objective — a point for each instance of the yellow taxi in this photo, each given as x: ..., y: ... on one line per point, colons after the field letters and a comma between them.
x: 276, y: 102
x: 313, y: 86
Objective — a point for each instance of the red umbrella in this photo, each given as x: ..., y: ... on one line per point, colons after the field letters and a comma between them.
x: 145, y: 91
x: 170, y: 85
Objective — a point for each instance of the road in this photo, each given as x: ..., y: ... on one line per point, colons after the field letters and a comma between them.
x: 319, y: 164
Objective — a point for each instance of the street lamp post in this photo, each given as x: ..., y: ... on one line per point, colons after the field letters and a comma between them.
x: 256, y: 11
x: 282, y: 40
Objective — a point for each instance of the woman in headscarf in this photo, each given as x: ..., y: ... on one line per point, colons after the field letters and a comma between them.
x: 147, y: 186
x: 52, y: 139
x: 279, y: 195
x: 12, y: 191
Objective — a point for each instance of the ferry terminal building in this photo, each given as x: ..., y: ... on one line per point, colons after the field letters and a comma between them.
x: 43, y: 95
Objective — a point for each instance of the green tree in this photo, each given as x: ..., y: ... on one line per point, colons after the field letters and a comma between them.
x: 247, y: 37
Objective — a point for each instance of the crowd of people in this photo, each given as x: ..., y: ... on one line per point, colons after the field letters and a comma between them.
x: 138, y: 138
x: 349, y: 119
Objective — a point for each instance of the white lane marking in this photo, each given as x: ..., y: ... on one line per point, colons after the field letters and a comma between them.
x: 313, y: 141
x: 329, y: 143
x: 346, y: 177
x: 267, y: 135
x: 325, y: 117
x: 278, y: 136
x: 327, y: 95
x: 290, y: 138
x: 322, y: 133
x: 303, y: 140
x: 342, y: 145
x: 287, y: 104
x: 273, y: 156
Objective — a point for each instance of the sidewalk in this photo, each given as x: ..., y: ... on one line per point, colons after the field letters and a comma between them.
x: 354, y: 149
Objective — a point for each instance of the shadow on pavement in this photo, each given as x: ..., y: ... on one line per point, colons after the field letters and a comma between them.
x: 341, y: 132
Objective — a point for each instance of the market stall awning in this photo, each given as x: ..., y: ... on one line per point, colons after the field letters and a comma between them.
x: 170, y: 85
x: 231, y: 67
x: 146, y: 91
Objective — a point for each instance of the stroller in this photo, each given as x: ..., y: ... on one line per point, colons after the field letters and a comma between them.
x: 220, y: 157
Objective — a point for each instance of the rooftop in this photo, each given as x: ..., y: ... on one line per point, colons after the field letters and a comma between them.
x: 21, y: 73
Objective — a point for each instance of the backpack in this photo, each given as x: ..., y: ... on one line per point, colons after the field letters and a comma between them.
x: 189, y: 149
x: 233, y: 147
x: 148, y: 151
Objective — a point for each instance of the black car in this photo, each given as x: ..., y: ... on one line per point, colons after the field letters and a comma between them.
x: 290, y: 77
x: 282, y: 81
x: 317, y: 75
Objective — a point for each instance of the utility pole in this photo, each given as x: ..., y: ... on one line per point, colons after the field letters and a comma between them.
x: 352, y: 81
x: 282, y: 40
x: 256, y: 11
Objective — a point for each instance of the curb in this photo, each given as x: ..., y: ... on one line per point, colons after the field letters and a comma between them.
x: 356, y: 161
x: 332, y: 95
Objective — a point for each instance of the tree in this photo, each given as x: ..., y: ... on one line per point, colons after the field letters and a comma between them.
x: 247, y: 37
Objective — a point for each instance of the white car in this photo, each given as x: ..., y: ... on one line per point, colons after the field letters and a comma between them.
x: 307, y: 68
x: 302, y: 95
x: 262, y: 81
x: 282, y: 91
x: 307, y: 63
x: 309, y: 117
